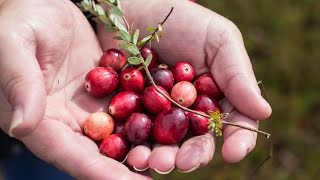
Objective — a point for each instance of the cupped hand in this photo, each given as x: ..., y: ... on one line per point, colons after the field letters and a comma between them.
x: 46, y: 49
x: 212, y: 44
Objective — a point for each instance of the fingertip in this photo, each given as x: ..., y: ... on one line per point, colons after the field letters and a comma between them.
x: 162, y: 158
x: 237, y: 146
x: 138, y: 157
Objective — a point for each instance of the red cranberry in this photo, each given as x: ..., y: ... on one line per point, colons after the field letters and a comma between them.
x: 98, y: 125
x: 124, y: 104
x: 101, y: 81
x: 115, y: 146
x: 163, y: 77
x: 170, y: 126
x: 138, y: 128
x: 154, y: 102
x: 113, y: 58
x: 145, y: 52
x: 204, y: 103
x: 183, y: 71
x: 131, y: 79
x: 205, y: 84
x: 184, y: 93
x: 198, y: 124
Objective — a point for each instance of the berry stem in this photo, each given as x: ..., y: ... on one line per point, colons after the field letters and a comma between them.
x: 267, y: 135
x: 156, y: 30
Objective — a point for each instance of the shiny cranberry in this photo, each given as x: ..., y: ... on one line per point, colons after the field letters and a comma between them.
x: 163, y: 77
x: 170, y: 126
x: 101, y: 81
x: 154, y: 102
x: 204, y: 103
x: 115, y: 146
x: 183, y: 71
x: 205, y: 84
x: 113, y: 58
x: 125, y: 103
x: 138, y: 128
x: 184, y: 93
x: 131, y: 79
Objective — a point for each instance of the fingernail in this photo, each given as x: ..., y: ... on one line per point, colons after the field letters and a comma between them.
x: 16, y: 120
x: 162, y: 172
x: 140, y: 170
x: 190, y: 170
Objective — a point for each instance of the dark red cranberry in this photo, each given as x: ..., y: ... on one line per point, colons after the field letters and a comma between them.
x: 198, y: 124
x: 113, y: 58
x: 204, y: 103
x: 154, y: 102
x: 131, y: 79
x: 101, y: 81
x: 115, y: 146
x: 205, y: 84
x: 163, y: 77
x: 183, y: 71
x: 184, y: 93
x: 124, y: 104
x: 138, y: 128
x: 170, y: 126
x: 145, y: 52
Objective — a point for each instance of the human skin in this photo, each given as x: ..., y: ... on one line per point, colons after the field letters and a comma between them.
x: 48, y: 46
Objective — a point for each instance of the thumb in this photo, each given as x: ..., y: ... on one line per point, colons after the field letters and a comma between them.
x: 22, y: 84
x: 233, y: 72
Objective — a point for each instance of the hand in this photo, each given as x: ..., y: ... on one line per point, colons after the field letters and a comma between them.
x: 46, y: 49
x: 211, y: 43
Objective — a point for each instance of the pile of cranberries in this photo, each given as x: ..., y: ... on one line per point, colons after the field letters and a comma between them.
x: 138, y: 113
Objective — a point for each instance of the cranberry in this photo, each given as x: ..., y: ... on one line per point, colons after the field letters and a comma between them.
x: 101, y: 81
x: 163, y: 77
x: 131, y: 79
x: 154, y: 102
x: 198, y: 124
x: 184, y: 93
x: 204, y: 103
x: 145, y: 52
x: 115, y: 146
x: 183, y: 71
x: 113, y: 58
x: 98, y: 125
x: 205, y: 84
x: 125, y: 103
x: 170, y: 126
x: 138, y: 128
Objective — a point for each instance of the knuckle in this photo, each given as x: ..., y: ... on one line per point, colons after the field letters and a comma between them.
x: 231, y: 32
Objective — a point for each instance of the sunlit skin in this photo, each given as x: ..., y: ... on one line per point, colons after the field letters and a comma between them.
x: 48, y: 46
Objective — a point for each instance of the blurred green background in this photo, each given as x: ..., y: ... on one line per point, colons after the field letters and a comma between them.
x: 283, y: 42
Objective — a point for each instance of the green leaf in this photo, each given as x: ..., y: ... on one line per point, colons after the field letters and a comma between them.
x: 118, y: 4
x: 135, y: 37
x: 112, y: 1
x: 144, y: 40
x: 151, y: 29
x: 148, y: 60
x: 134, y: 60
x: 130, y: 47
x: 116, y: 11
x: 99, y: 9
x: 117, y: 37
x: 125, y: 36
x: 109, y: 28
x: 117, y: 23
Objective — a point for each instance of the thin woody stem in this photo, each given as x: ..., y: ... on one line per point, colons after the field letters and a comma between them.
x: 267, y: 135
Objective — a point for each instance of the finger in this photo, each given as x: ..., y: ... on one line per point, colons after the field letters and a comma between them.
x: 162, y: 158
x: 195, y: 152
x: 22, y: 84
x: 238, y: 142
x: 138, y: 157
x: 74, y: 153
x: 231, y: 67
